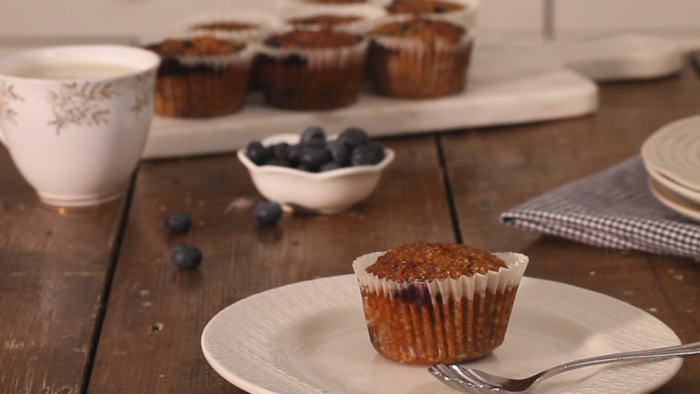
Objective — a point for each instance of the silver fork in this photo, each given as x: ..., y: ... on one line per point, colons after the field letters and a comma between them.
x: 474, y: 381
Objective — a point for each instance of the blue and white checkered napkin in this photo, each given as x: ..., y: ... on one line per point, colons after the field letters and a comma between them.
x: 613, y: 208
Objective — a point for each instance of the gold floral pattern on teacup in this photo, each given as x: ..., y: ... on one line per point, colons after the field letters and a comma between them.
x: 7, y: 94
x: 143, y: 93
x: 79, y: 104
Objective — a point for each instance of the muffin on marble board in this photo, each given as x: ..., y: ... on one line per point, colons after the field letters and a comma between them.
x: 201, y: 76
x: 311, y: 70
x: 419, y: 57
x: 428, y: 303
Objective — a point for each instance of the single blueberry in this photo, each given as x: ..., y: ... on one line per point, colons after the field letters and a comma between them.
x: 178, y: 221
x: 331, y: 165
x: 368, y: 154
x: 280, y: 150
x: 313, y: 157
x: 186, y: 256
x: 313, y: 133
x: 293, y: 153
x: 340, y: 152
x: 267, y: 212
x: 353, y: 137
x: 257, y: 153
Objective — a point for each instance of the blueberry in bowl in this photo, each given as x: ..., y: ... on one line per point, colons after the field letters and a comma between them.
x: 314, y: 173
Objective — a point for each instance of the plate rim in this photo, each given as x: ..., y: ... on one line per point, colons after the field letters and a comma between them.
x: 671, y: 200
x: 650, y: 150
x: 674, y: 365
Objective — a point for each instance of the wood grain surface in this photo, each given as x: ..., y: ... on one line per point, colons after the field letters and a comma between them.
x: 54, y: 268
x: 90, y: 302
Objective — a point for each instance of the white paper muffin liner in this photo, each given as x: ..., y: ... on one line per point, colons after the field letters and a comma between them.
x: 464, y: 287
x: 320, y: 57
x: 421, y: 59
x: 266, y: 22
x: 241, y: 58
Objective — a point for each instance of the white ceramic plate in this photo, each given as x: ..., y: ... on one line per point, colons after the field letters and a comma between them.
x: 310, y: 338
x: 674, y: 151
x: 677, y: 188
x: 674, y: 201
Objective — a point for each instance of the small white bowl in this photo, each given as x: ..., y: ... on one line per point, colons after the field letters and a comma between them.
x: 309, y: 192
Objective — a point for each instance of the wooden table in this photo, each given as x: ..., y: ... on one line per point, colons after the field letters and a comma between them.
x: 90, y: 303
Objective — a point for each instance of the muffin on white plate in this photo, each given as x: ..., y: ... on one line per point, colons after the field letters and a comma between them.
x: 428, y: 303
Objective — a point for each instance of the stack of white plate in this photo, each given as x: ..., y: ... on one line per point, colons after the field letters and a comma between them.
x: 672, y: 158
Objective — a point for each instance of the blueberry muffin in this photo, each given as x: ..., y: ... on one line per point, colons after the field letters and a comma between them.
x: 428, y: 303
x: 201, y: 76
x: 311, y: 70
x: 419, y: 57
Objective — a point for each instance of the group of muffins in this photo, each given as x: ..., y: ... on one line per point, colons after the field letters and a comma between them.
x: 312, y: 59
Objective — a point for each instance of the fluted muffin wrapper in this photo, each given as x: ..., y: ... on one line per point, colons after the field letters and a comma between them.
x: 312, y: 79
x: 265, y: 23
x: 411, y: 68
x: 201, y: 86
x: 451, y: 320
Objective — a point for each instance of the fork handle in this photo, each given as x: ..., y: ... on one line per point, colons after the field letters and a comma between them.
x: 663, y: 353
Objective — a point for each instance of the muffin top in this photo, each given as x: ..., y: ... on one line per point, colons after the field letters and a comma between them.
x: 196, y: 46
x: 225, y: 25
x: 426, y: 30
x: 423, y: 7
x: 422, y: 261
x: 312, y: 39
x: 324, y: 21
x: 336, y: 1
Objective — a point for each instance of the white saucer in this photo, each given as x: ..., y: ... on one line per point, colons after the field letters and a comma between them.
x: 674, y: 151
x: 677, y: 188
x: 675, y: 202
x: 310, y: 338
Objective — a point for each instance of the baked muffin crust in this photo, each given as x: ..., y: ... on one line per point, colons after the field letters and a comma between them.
x: 225, y: 25
x: 423, y: 6
x: 426, y: 30
x: 196, y: 46
x: 325, y: 21
x: 422, y: 261
x: 312, y: 39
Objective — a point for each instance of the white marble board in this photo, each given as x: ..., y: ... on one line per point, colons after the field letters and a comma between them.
x: 508, y: 84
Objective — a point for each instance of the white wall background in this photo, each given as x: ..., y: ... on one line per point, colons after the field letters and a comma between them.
x: 39, y: 19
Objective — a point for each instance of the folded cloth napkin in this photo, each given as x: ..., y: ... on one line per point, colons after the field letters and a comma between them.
x: 613, y: 208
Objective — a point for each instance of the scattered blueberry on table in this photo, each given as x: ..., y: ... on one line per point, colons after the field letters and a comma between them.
x: 314, y: 153
x: 178, y: 221
x: 267, y: 212
x: 186, y: 256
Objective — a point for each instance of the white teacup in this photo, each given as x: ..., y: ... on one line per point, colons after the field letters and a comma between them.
x: 75, y: 118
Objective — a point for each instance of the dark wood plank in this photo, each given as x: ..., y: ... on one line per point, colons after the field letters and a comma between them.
x: 151, y: 337
x: 53, y: 269
x: 492, y: 170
